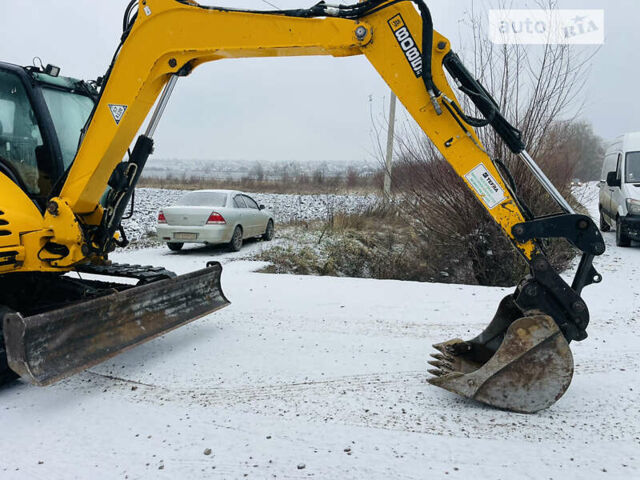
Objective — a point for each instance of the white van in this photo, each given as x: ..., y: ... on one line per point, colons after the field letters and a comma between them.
x: 620, y: 189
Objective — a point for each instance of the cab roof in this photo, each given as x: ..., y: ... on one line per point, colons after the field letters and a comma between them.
x: 628, y: 142
x: 631, y: 142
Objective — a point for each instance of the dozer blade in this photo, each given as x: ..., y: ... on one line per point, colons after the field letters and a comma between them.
x: 48, y: 347
x: 519, y: 364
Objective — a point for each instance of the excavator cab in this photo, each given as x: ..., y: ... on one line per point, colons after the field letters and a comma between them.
x: 41, y: 121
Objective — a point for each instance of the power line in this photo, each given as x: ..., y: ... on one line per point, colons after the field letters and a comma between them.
x: 271, y: 4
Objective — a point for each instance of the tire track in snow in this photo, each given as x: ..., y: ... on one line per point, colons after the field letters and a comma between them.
x: 400, y: 401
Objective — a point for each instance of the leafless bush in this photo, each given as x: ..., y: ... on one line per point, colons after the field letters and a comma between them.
x: 449, y: 218
x: 581, y: 147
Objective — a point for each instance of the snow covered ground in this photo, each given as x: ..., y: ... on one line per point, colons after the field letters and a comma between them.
x: 285, y: 208
x: 317, y: 377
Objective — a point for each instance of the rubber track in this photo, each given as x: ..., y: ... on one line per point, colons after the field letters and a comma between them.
x: 144, y: 273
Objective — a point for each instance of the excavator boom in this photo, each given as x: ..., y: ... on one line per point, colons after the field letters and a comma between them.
x: 520, y: 362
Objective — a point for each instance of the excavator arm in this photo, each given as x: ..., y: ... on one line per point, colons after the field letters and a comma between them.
x: 521, y: 361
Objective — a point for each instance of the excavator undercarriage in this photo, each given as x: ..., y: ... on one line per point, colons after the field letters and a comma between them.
x: 62, y: 199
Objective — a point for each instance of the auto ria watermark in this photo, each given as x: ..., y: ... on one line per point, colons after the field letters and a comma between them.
x: 539, y: 27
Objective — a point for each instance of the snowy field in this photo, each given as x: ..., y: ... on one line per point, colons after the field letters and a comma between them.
x: 325, y: 378
x: 285, y: 208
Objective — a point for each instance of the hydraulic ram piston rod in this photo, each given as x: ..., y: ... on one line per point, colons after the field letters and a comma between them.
x: 162, y: 104
x: 546, y: 183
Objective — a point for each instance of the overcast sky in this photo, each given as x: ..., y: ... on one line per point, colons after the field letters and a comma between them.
x: 272, y: 109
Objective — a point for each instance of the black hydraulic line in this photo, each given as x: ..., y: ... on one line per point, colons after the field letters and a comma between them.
x: 511, y: 136
x: 513, y: 189
x: 123, y: 183
x: 127, y: 20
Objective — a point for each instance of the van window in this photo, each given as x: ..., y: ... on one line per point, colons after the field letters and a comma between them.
x: 619, y: 167
x: 632, y: 171
x: 608, y: 165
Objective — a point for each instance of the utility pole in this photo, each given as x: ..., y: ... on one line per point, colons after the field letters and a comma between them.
x: 390, y: 134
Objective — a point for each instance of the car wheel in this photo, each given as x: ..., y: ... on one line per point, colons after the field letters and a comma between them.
x: 621, y: 239
x: 236, y: 240
x: 604, y: 226
x: 175, y: 246
x: 268, y: 233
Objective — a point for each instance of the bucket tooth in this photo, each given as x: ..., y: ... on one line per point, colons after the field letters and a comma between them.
x: 453, y: 347
x: 442, y: 365
x: 442, y: 357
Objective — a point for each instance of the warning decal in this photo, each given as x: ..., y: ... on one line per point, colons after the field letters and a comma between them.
x: 118, y: 112
x: 486, y: 186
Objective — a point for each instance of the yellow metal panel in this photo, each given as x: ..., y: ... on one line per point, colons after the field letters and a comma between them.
x: 22, y: 219
x: 19, y: 213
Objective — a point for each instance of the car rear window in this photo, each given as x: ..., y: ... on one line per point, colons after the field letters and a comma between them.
x: 204, y: 199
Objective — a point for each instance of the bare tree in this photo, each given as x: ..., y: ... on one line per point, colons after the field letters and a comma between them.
x: 257, y: 172
x: 536, y: 87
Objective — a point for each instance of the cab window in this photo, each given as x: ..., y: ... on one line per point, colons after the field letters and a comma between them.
x: 21, y: 145
x: 632, y: 174
x: 69, y: 112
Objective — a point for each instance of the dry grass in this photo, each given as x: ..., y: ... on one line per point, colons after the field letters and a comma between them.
x: 377, y: 243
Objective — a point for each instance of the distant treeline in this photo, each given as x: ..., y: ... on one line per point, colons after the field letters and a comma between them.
x: 317, y: 181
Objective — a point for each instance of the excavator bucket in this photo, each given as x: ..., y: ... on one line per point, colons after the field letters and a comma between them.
x: 518, y: 363
x: 48, y: 347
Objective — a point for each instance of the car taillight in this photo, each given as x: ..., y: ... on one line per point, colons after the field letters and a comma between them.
x: 161, y: 217
x: 216, y: 219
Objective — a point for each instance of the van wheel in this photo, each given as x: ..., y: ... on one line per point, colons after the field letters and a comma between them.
x: 175, y: 246
x: 604, y: 226
x: 621, y: 239
x: 236, y: 240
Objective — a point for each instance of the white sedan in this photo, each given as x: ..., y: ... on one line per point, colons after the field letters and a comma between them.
x: 214, y: 217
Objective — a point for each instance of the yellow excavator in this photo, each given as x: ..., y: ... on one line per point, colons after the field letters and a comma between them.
x: 67, y: 177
